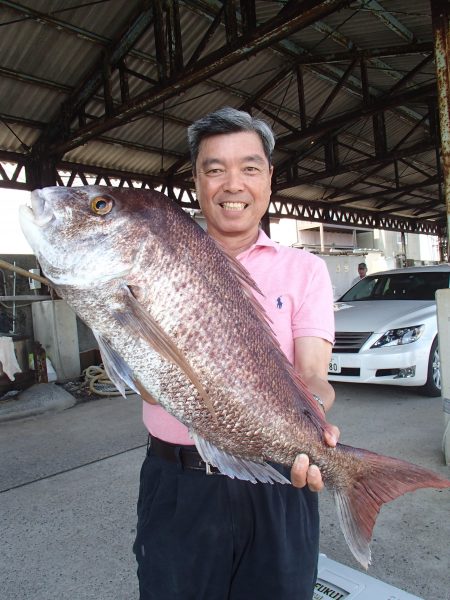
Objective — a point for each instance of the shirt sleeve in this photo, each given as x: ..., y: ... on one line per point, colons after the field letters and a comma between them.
x: 314, y: 315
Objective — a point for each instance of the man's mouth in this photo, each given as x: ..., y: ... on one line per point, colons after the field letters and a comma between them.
x: 236, y: 206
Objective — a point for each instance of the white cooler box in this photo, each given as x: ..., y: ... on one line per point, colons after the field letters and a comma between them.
x: 336, y: 582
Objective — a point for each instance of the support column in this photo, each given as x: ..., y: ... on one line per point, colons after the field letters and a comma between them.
x: 41, y: 171
x: 265, y: 224
x: 440, y: 11
x: 322, y: 239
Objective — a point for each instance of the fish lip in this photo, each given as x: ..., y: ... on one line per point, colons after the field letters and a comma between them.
x: 40, y: 210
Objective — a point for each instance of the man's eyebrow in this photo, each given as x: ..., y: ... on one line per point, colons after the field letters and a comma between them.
x: 207, y: 162
x: 257, y: 158
x: 254, y: 158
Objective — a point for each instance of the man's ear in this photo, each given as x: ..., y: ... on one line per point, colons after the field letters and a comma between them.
x: 194, y: 176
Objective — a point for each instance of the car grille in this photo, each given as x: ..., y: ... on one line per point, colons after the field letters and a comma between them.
x: 350, y: 341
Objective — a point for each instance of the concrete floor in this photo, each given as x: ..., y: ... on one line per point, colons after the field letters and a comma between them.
x: 68, y: 486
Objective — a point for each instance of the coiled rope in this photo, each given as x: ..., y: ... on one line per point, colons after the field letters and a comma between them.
x: 99, y: 382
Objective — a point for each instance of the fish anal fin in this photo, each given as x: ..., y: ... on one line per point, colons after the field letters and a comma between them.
x: 140, y: 323
x: 383, y: 480
x: 236, y: 467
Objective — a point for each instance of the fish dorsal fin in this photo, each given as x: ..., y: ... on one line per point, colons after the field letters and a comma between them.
x: 236, y: 467
x: 141, y: 324
x: 238, y: 269
x: 248, y: 284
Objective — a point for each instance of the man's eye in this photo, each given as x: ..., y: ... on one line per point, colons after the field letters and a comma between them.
x: 214, y: 172
x: 251, y: 170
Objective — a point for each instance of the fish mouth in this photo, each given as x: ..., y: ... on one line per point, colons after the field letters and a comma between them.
x: 40, y: 212
x: 235, y: 206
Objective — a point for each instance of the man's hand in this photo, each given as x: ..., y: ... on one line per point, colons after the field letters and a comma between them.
x: 302, y: 473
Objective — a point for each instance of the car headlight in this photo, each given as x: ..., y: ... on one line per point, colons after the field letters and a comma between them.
x: 398, y: 337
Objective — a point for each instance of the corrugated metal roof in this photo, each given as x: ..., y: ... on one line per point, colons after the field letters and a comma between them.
x: 53, y: 53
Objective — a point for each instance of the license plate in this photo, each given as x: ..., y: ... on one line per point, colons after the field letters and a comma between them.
x: 334, y: 366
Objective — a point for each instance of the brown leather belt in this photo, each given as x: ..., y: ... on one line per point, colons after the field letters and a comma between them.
x: 187, y: 456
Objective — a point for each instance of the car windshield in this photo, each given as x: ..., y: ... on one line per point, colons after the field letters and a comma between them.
x: 398, y: 286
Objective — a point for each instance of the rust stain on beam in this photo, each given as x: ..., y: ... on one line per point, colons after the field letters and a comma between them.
x: 440, y: 17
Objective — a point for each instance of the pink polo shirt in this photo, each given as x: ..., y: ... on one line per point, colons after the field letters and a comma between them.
x: 298, y: 298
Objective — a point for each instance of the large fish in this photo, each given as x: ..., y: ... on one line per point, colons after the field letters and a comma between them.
x: 176, y: 320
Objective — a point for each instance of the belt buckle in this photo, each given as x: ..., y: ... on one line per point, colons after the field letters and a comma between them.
x: 208, y: 469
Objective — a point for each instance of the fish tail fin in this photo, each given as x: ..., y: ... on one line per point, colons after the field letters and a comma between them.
x: 383, y: 480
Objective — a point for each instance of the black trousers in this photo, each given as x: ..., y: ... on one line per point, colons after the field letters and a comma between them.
x: 209, y: 537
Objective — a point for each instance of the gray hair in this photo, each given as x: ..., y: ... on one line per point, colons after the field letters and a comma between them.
x: 228, y: 120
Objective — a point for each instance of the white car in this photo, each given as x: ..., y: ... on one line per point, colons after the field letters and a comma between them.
x: 386, y: 329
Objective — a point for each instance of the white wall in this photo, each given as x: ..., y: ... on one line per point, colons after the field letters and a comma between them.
x: 419, y: 247
x: 12, y: 240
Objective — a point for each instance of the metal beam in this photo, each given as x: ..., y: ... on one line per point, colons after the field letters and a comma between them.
x: 206, y: 38
x: 366, y: 54
x: 291, y: 50
x: 42, y: 17
x: 388, y: 19
x: 86, y: 89
x: 300, y: 15
x: 354, y: 166
x: 321, y: 212
x: 432, y: 180
x: 364, y: 111
x: 67, y: 27
x: 279, y: 206
x: 441, y: 29
x: 380, y: 165
x: 248, y: 12
x: 334, y: 92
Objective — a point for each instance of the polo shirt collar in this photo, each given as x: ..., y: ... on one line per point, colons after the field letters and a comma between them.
x: 263, y: 241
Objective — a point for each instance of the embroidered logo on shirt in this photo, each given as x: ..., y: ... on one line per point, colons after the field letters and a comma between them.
x: 279, y: 302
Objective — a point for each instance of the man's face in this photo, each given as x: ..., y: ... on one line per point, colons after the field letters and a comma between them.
x: 362, y: 271
x: 233, y: 183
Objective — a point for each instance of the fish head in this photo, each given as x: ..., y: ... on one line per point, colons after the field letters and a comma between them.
x: 88, y: 235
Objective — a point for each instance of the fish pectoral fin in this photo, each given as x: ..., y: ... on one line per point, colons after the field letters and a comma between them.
x: 116, y: 368
x: 236, y: 467
x: 137, y: 320
x: 144, y: 393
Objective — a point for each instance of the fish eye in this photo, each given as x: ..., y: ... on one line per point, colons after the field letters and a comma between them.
x: 101, y: 205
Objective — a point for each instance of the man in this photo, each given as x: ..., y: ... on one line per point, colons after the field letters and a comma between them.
x: 203, y: 536
x: 362, y: 272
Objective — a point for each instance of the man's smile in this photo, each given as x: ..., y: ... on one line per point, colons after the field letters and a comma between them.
x: 235, y: 206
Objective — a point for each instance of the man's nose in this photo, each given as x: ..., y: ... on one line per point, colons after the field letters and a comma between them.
x: 233, y: 181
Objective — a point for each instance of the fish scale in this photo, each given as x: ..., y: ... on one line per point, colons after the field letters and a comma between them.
x: 177, y: 320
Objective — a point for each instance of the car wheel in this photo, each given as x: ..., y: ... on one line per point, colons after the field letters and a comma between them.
x: 433, y: 384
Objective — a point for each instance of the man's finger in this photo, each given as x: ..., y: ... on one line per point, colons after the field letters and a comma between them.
x: 314, y: 479
x: 299, y: 470
x: 331, y: 435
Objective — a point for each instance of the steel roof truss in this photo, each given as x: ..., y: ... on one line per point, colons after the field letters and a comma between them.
x: 293, y: 17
